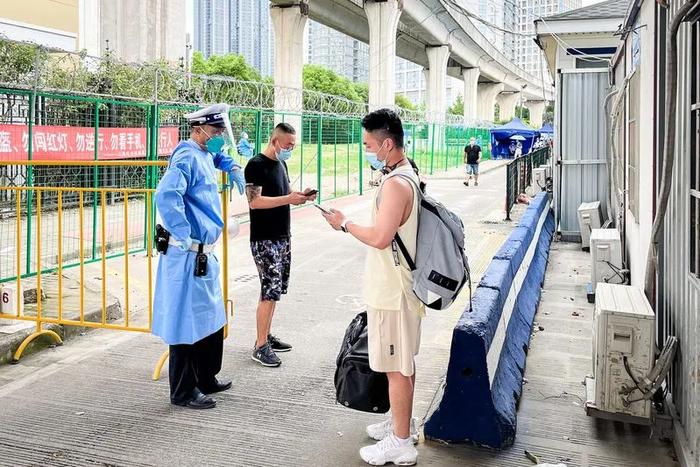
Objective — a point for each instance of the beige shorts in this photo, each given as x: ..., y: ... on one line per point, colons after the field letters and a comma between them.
x: 393, y: 339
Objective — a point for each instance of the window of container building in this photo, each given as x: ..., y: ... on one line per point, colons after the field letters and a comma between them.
x: 695, y: 154
x: 633, y: 145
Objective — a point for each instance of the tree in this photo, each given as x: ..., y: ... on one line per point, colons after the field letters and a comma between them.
x: 404, y: 102
x: 458, y: 107
x: 362, y: 91
x: 549, y: 113
x: 321, y: 79
x: 523, y: 113
x: 18, y: 61
x: 232, y: 65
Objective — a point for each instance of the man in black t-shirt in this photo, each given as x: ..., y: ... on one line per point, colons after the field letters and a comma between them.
x: 472, y: 157
x: 269, y: 197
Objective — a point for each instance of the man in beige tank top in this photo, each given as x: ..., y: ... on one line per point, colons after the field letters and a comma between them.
x: 394, y: 313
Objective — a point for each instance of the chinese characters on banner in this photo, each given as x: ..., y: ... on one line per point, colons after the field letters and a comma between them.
x: 64, y: 143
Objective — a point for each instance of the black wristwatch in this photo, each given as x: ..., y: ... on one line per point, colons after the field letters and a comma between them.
x: 343, y: 226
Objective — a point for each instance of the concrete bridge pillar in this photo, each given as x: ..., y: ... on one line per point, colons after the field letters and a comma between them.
x: 487, y: 99
x: 471, y: 83
x: 507, y: 102
x: 536, y: 109
x: 436, y: 82
x: 383, y: 19
x: 289, y: 23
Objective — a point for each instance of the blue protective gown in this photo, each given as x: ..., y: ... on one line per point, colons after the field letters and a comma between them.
x: 186, y: 308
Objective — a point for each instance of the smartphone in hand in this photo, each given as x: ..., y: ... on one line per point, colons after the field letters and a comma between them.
x: 323, y: 210
x: 310, y: 193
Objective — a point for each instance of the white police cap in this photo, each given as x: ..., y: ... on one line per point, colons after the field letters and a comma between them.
x: 212, y: 115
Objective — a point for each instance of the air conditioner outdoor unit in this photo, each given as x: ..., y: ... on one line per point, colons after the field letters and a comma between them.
x: 588, y: 219
x: 548, y: 169
x: 606, y: 260
x: 623, y: 354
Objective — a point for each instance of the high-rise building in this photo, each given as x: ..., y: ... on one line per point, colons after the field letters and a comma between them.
x: 235, y: 26
x: 510, y: 23
x: 493, y: 12
x: 529, y: 56
x: 410, y: 81
x: 332, y: 49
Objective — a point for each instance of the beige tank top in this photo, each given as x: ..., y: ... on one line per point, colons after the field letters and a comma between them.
x: 385, y: 282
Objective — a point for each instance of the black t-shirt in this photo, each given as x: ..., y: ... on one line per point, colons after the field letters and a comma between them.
x: 272, y: 176
x: 472, y: 153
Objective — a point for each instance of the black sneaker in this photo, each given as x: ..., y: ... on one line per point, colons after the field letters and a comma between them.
x: 277, y: 345
x: 265, y: 356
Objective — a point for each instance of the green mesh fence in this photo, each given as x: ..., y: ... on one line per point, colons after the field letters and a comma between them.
x: 37, y: 125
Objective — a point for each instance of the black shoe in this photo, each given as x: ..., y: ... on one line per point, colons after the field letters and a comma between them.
x: 199, y: 401
x: 265, y: 356
x: 277, y: 345
x: 466, y: 183
x: 218, y: 386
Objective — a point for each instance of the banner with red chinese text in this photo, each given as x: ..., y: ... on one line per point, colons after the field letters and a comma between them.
x: 71, y: 143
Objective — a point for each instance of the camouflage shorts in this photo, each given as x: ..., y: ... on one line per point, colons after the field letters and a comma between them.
x: 273, y: 259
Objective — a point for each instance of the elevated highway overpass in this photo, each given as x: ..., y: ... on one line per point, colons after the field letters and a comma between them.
x: 431, y: 33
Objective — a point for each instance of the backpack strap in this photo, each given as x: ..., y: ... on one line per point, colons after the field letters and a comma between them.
x: 397, y: 238
x: 404, y: 252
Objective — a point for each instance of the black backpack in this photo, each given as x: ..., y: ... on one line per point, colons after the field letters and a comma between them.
x: 357, y: 386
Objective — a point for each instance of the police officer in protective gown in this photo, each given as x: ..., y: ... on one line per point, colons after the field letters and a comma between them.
x: 188, y: 308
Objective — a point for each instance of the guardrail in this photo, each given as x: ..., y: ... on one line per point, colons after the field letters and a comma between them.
x: 519, y: 175
x: 114, y: 222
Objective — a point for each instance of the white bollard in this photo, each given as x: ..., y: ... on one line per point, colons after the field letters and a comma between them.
x: 9, y: 305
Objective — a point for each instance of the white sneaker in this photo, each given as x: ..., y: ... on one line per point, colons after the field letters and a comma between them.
x: 390, y: 449
x: 379, y: 431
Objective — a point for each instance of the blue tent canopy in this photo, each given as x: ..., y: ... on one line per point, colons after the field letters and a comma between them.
x: 503, y: 144
x: 547, y: 128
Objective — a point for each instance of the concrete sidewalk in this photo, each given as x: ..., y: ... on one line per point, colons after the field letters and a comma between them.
x: 92, y: 400
x: 458, y: 173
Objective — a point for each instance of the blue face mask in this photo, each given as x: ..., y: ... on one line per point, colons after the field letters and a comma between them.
x: 372, y: 158
x: 284, y: 154
x: 373, y: 161
x: 215, y: 144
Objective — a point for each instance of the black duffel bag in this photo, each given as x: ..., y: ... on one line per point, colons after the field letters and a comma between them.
x: 357, y: 386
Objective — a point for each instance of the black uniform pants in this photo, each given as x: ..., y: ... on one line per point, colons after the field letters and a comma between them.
x: 195, y: 366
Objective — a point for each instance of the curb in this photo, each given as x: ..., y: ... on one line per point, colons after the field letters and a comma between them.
x: 10, y: 342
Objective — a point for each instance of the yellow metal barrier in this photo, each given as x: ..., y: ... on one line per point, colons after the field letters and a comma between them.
x: 40, y: 192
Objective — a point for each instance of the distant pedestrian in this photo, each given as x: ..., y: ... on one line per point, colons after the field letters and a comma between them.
x: 472, y: 157
x: 518, y: 149
x: 245, y: 149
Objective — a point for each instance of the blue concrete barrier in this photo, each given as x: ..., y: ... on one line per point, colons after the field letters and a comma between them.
x: 489, y: 344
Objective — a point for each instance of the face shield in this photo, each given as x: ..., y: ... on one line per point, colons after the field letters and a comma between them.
x: 221, y: 140
x: 229, y: 140
x: 216, y: 118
